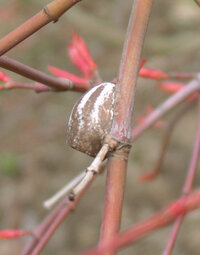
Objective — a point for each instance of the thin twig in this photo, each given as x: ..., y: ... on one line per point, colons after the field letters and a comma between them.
x: 165, y: 107
x: 168, y: 130
x: 93, y: 169
x: 50, y: 13
x: 37, y: 87
x: 188, y: 185
x: 41, y: 229
x: 136, y: 232
x: 181, y: 76
x: 36, y: 75
x: 52, y: 222
x: 48, y: 204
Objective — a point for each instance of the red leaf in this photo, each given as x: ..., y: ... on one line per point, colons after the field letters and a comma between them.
x: 4, y: 77
x: 171, y: 87
x: 149, y: 73
x: 64, y: 74
x: 80, y: 56
x: 13, y: 233
x: 79, y: 61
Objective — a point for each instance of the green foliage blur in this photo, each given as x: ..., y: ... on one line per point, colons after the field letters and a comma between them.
x: 9, y: 165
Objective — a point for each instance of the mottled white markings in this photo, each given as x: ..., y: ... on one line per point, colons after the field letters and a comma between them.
x: 82, y: 104
x: 105, y: 93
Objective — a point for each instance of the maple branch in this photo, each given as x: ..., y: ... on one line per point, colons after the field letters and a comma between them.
x: 37, y: 87
x: 122, y: 122
x: 49, y: 13
x: 47, y: 228
x: 133, y: 234
x: 36, y: 75
x: 165, y: 107
x: 168, y: 130
x: 188, y: 185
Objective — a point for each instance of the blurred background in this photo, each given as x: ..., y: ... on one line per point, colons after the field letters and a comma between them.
x: 34, y: 158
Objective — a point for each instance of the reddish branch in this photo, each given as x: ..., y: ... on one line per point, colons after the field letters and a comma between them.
x: 136, y: 232
x: 168, y: 105
x: 121, y: 130
x: 129, y: 67
x: 37, y: 87
x: 188, y: 185
x: 168, y: 130
x: 50, y: 12
x: 122, y: 123
x: 36, y: 75
x: 47, y: 228
x: 115, y: 184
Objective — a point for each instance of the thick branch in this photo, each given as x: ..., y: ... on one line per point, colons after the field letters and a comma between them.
x: 36, y: 75
x: 121, y: 126
x: 50, y: 13
x: 122, y: 123
x: 115, y: 184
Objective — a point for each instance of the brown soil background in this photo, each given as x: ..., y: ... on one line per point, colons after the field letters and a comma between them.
x: 34, y: 158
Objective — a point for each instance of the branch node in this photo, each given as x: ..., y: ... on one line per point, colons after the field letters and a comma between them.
x: 68, y: 82
x: 49, y: 15
x: 117, y: 148
x: 112, y: 142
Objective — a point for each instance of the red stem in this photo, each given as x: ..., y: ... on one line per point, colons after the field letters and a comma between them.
x: 176, y: 75
x: 36, y: 75
x: 51, y: 12
x: 158, y: 220
x: 128, y: 73
x: 168, y: 105
x: 166, y: 139
x: 188, y: 185
x: 173, y: 236
x: 40, y: 231
x: 195, y: 156
x: 54, y: 225
x: 114, y: 198
x: 45, y: 231
x: 122, y: 123
x: 37, y: 87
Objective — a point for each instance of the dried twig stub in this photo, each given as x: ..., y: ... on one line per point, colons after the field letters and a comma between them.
x: 93, y: 169
x: 48, y: 204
